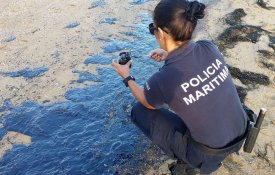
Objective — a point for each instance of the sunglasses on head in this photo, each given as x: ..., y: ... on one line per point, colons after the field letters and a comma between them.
x: 152, y: 29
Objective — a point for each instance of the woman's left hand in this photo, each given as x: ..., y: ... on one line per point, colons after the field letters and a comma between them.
x: 122, y: 70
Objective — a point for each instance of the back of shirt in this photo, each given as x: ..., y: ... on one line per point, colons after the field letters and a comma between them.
x: 198, y: 87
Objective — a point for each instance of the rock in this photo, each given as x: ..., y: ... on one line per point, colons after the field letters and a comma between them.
x: 235, y: 17
x: 270, y: 154
x: 164, y: 169
x: 267, y: 152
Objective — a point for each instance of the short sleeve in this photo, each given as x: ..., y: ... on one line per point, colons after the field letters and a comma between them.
x: 153, y: 92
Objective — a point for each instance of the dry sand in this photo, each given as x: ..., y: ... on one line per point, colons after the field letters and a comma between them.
x: 39, y: 30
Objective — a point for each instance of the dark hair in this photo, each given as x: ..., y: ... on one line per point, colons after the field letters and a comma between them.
x: 179, y: 17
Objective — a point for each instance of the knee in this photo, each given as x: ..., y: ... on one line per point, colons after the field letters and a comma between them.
x: 136, y: 110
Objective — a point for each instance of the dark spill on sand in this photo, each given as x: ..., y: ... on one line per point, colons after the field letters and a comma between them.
x: 10, y: 38
x: 97, y: 3
x: 26, y: 73
x: 264, y: 5
x: 239, y: 32
x: 91, y: 133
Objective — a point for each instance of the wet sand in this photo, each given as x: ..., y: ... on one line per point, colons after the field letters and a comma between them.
x: 34, y: 34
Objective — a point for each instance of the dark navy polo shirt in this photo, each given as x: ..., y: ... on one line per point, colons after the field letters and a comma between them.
x: 197, y: 86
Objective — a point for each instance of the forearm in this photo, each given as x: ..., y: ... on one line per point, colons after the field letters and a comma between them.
x: 138, y: 92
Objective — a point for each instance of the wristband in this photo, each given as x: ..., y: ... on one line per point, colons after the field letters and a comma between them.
x: 125, y: 81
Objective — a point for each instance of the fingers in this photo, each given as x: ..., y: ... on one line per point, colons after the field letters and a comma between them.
x: 115, y: 63
x: 129, y: 63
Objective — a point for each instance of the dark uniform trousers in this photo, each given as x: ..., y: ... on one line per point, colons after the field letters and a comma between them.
x: 165, y: 129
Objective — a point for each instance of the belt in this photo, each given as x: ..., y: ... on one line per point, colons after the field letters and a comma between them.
x: 229, y: 148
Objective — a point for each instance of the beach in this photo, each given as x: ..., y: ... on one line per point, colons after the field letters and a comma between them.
x: 56, y: 56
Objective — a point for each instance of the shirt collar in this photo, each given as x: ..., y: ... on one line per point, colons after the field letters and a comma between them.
x: 182, y: 51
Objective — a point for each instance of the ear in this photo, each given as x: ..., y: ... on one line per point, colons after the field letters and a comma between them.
x: 161, y: 33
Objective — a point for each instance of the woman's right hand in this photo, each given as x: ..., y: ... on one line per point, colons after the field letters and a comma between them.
x: 158, y: 55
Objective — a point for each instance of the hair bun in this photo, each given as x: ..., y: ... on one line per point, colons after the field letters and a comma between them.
x: 195, y: 11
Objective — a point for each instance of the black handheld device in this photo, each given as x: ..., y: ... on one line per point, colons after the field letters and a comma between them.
x: 253, y: 132
x: 125, y: 57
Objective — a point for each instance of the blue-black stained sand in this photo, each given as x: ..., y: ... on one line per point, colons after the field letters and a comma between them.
x: 26, y: 73
x: 91, y: 132
x: 138, y: 2
x: 10, y: 38
x: 97, y: 3
x: 72, y: 25
x: 103, y: 59
x: 86, y: 76
x: 110, y: 21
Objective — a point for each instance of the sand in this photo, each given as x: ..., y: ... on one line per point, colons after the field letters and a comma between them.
x: 13, y: 138
x: 43, y: 40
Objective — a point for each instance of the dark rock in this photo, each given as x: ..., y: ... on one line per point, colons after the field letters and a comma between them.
x: 249, y: 78
x: 26, y: 73
x: 235, y: 17
x: 237, y: 33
